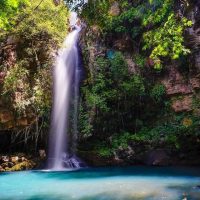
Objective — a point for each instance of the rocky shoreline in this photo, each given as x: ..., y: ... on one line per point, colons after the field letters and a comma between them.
x: 18, y: 162
x: 157, y: 157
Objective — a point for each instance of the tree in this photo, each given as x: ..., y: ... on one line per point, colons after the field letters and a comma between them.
x: 8, y: 11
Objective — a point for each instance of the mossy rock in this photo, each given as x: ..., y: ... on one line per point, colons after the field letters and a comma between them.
x: 25, y: 165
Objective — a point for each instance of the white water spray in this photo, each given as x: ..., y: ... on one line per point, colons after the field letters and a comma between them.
x: 66, y: 90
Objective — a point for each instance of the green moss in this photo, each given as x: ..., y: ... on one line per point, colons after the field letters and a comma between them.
x: 8, y: 11
x: 26, y: 165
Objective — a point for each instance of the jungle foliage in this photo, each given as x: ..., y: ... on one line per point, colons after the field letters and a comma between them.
x: 115, y: 100
x: 8, y: 11
x: 119, y: 107
x: 156, y: 24
x: 32, y: 27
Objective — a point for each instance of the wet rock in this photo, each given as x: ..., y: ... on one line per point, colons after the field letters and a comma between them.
x: 157, y: 158
x: 4, y: 165
x: 2, y: 169
x: 14, y: 159
x: 126, y: 154
x: 123, y: 44
x: 25, y: 165
x: 10, y: 164
x: 184, y: 104
x: 5, y: 158
x: 22, y: 159
x: 42, y: 154
x: 95, y: 160
x: 195, y: 82
x: 178, y: 89
x: 176, y: 84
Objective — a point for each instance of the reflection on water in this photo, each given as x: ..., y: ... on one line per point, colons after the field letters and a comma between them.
x: 136, y: 183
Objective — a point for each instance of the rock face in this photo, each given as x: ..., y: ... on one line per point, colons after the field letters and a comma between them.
x: 18, y: 96
x: 182, y: 105
x: 16, y: 163
x: 42, y: 154
x: 181, y: 90
x: 123, y: 44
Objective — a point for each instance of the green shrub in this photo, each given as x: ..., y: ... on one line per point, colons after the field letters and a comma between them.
x: 9, y: 9
x: 38, y: 21
x: 167, y: 40
x: 16, y: 85
x: 158, y: 92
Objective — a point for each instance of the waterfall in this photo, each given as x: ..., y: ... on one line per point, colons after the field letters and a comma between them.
x: 66, y: 76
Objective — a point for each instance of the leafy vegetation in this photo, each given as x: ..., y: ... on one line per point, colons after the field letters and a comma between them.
x: 154, y: 22
x: 169, y: 133
x: 37, y: 34
x: 112, y: 94
x: 167, y: 40
x: 8, y: 11
x: 158, y: 92
x: 119, y: 106
x: 122, y: 99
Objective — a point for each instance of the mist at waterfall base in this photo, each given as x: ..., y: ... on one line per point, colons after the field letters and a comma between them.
x: 67, y: 75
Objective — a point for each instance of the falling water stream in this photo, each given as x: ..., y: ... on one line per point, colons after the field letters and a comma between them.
x: 65, y: 101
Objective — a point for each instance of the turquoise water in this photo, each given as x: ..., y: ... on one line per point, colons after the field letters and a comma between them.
x: 136, y: 183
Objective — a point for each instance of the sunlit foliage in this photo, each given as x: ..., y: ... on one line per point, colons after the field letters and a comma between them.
x: 9, y: 10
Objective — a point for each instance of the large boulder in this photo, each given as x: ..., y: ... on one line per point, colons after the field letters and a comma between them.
x: 195, y: 82
x: 175, y: 83
x: 157, y: 157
